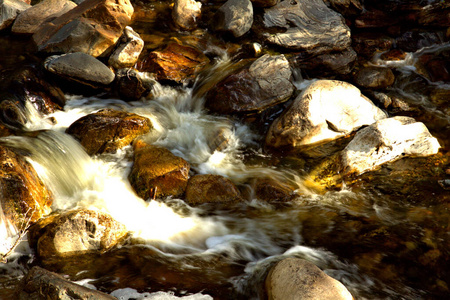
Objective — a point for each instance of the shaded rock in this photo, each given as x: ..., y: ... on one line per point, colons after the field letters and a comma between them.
x: 175, y: 62
x: 369, y: 43
x: 374, y: 77
x: 39, y: 282
x: 234, y: 17
x: 80, y: 67
x: 375, y: 18
x: 24, y: 196
x: 127, y: 53
x: 324, y: 111
x: 435, y: 66
x: 348, y: 8
x: 414, y: 40
x: 108, y: 130
x: 264, y: 3
x: 211, y: 189
x: 305, y: 25
x: 435, y: 14
x: 9, y: 9
x: 157, y: 173
x: 294, y: 278
x: 387, y: 140
x: 30, y: 20
x: 92, y: 27
x: 271, y: 190
x: 185, y: 13
x: 132, y: 85
x: 264, y: 83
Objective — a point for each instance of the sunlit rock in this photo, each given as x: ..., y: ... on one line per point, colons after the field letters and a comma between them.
x: 234, y: 17
x: 132, y: 85
x: 211, y: 189
x: 9, y: 9
x: 127, y: 53
x: 93, y: 27
x: 294, y: 278
x: 305, y: 25
x: 24, y: 197
x: 157, y: 172
x: 374, y: 77
x: 80, y: 67
x: 326, y: 110
x: 30, y: 20
x: 40, y: 282
x: 108, y: 130
x: 186, y: 13
x: 263, y: 84
x: 175, y: 62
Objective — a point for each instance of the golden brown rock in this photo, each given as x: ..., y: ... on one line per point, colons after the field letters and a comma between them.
x: 211, y: 189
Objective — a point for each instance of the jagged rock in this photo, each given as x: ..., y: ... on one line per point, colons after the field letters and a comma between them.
x: 39, y: 282
x: 175, y: 62
x: 387, y: 140
x: 326, y: 110
x: 157, y: 172
x: 186, y: 13
x: 211, y: 189
x: 374, y: 77
x: 108, y: 130
x: 9, y: 9
x: 130, y: 47
x: 234, y: 17
x: 30, y: 20
x: 305, y: 25
x: 132, y: 85
x: 24, y: 196
x: 93, y: 27
x: 263, y: 84
x: 80, y: 67
x: 295, y: 278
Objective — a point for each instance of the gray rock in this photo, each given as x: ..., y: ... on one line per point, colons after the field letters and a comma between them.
x: 295, y: 278
x: 385, y: 141
x: 29, y: 21
x: 306, y: 25
x: 235, y: 17
x: 80, y: 67
x: 185, y: 13
x: 9, y: 9
x: 375, y: 77
x: 127, y: 53
x: 326, y: 110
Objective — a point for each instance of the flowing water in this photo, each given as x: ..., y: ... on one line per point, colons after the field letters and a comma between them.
x: 378, y: 240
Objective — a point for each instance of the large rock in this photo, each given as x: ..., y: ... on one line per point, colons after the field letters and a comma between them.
x: 234, y: 17
x: 374, y: 77
x: 80, y: 67
x: 295, y: 278
x: 108, y: 130
x: 211, y: 189
x: 263, y: 84
x: 93, y: 27
x: 127, y: 53
x: 9, y: 9
x: 157, y: 172
x: 39, y: 282
x: 387, y: 140
x: 326, y: 110
x: 30, y: 20
x: 305, y: 25
x: 186, y: 13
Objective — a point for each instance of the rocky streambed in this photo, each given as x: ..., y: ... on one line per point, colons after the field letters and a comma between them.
x: 224, y: 149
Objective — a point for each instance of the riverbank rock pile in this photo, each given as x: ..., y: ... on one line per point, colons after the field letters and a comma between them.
x: 316, y: 79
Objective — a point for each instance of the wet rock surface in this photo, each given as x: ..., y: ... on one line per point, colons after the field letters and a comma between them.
x: 211, y: 189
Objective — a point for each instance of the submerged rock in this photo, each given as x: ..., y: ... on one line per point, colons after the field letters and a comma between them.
x: 271, y: 190
x: 234, y: 17
x: 108, y: 130
x: 157, y: 173
x: 9, y: 9
x: 294, y: 278
x: 185, y: 13
x: 127, y: 53
x: 211, y: 189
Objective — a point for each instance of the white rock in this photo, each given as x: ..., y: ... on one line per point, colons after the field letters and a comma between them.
x: 186, y: 12
x: 9, y: 9
x: 127, y: 54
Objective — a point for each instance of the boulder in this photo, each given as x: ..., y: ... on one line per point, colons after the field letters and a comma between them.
x: 132, y: 85
x: 24, y: 198
x: 9, y: 9
x: 39, y: 282
x: 234, y: 17
x: 305, y: 25
x: 326, y: 110
x: 175, y: 62
x: 186, y: 13
x: 211, y: 189
x: 263, y: 84
x: 108, y: 130
x: 157, y: 173
x: 127, y: 53
x: 374, y: 77
x: 30, y: 20
x: 295, y: 278
x: 80, y: 67
x: 93, y: 27
x: 385, y: 141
